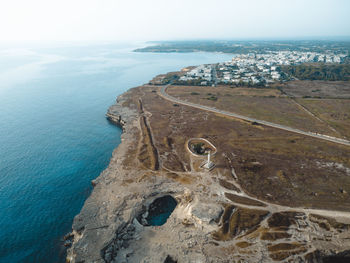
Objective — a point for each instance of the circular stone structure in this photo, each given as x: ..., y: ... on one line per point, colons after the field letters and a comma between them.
x: 200, y: 147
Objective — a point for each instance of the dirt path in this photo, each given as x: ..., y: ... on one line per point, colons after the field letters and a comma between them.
x: 269, y: 206
x: 280, y: 208
x: 314, y: 116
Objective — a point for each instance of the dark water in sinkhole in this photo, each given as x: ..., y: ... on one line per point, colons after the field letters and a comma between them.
x: 160, y: 210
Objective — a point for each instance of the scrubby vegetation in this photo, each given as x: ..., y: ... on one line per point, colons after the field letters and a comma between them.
x: 237, y: 220
x: 318, y: 71
x: 212, y: 97
x: 199, y: 148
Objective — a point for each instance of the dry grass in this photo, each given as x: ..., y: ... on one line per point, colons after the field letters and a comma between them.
x: 282, y: 251
x: 229, y: 91
x: 272, y: 165
x: 273, y: 108
x: 183, y: 179
x: 273, y: 236
x: 323, y: 89
x: 243, y: 200
x: 284, y: 246
x: 327, y: 222
x: 282, y: 220
x: 228, y: 185
x: 236, y: 221
x: 335, y: 112
x: 243, y: 244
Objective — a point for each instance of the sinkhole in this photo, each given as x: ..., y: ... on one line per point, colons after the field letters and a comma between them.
x: 158, y: 211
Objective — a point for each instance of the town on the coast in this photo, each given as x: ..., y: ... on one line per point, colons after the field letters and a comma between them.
x: 255, y: 69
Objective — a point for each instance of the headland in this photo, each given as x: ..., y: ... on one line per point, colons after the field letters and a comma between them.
x: 273, y: 195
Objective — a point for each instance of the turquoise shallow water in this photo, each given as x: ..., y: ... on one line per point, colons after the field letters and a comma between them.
x: 160, y: 210
x: 54, y: 138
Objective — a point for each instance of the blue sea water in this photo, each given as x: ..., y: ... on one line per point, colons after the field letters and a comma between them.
x: 54, y: 137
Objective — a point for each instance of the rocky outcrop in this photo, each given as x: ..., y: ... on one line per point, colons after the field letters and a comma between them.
x: 119, y: 114
x: 103, y: 214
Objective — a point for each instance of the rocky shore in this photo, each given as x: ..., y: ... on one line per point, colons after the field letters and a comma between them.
x: 215, y: 220
x: 106, y: 230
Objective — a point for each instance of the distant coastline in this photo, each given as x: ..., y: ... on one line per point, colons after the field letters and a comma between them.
x: 247, y: 46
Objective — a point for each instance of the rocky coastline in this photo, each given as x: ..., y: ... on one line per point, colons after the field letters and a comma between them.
x: 107, y: 223
x: 95, y: 227
x: 107, y: 229
x: 215, y: 219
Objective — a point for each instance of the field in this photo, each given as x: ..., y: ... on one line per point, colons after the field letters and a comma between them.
x: 271, y: 164
x: 317, y: 89
x: 335, y: 112
x: 264, y: 104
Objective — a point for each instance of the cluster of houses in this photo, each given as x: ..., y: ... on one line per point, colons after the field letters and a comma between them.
x: 203, y: 75
x: 254, y: 68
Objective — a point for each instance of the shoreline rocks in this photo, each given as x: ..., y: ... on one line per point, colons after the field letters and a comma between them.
x: 98, y: 222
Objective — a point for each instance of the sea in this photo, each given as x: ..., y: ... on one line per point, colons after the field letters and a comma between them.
x: 54, y: 137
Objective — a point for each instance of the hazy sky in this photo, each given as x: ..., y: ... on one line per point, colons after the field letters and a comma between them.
x: 116, y: 20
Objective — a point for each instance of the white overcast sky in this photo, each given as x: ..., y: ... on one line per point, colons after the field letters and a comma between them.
x: 116, y: 20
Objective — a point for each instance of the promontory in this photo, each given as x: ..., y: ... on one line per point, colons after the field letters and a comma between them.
x: 203, y: 175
